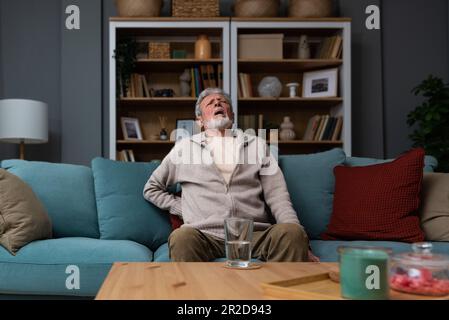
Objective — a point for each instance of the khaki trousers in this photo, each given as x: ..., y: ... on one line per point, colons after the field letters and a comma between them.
x: 280, y: 242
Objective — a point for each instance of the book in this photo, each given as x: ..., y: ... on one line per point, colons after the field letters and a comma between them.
x: 260, y: 123
x: 336, y: 47
x: 220, y: 76
x: 130, y: 155
x: 338, y: 128
x: 318, y: 130
x: 205, y: 76
x: 243, y: 85
x: 311, y: 127
x: 323, y: 128
x: 192, y: 82
x: 327, y: 129
x: 198, y: 81
x: 212, y: 78
x: 248, y: 85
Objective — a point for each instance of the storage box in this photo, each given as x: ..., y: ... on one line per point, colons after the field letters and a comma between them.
x: 260, y: 46
x: 159, y: 50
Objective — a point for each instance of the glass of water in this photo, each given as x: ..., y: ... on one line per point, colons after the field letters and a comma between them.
x: 238, y: 236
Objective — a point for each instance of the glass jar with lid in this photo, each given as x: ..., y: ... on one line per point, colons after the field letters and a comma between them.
x: 420, y: 272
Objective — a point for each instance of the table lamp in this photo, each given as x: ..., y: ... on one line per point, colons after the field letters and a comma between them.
x: 23, y: 121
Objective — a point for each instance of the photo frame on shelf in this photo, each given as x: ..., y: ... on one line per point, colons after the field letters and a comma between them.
x: 184, y: 128
x: 320, y: 84
x: 131, y: 128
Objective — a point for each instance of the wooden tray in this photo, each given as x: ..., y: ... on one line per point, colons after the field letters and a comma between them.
x: 314, y: 287
x: 323, y: 286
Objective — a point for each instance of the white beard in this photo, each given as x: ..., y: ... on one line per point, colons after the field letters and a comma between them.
x: 219, y: 124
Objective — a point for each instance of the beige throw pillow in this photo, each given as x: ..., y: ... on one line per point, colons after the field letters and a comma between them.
x: 23, y: 217
x: 434, y: 210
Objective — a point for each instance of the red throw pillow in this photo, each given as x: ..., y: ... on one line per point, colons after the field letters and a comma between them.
x: 378, y: 202
x: 175, y: 221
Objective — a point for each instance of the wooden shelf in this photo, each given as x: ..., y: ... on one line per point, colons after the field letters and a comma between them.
x: 300, y: 102
x: 303, y: 142
x: 172, y: 65
x: 142, y: 142
x: 286, y: 65
x: 143, y: 102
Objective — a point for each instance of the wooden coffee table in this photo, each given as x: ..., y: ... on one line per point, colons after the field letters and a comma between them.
x: 198, y: 280
x: 210, y: 281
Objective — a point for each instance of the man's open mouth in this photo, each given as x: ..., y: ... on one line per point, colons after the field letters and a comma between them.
x: 219, y: 112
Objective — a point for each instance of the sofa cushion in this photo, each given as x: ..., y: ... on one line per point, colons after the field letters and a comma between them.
x: 40, y: 267
x: 434, y: 210
x: 310, y: 182
x: 327, y: 250
x: 378, y: 202
x: 123, y: 212
x: 67, y: 192
x: 430, y: 163
x: 23, y: 217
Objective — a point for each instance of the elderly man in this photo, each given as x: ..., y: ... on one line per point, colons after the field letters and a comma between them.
x: 217, y: 189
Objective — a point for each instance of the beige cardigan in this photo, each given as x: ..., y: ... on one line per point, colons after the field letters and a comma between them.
x: 207, y: 199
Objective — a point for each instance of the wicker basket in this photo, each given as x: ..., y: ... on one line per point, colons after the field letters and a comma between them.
x: 257, y: 8
x: 138, y: 8
x: 195, y: 8
x: 310, y: 8
x: 159, y: 50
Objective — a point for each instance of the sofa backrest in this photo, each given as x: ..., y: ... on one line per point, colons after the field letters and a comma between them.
x: 67, y: 192
x: 123, y: 212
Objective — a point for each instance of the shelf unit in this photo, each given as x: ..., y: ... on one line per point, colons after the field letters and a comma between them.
x: 290, y: 69
x: 224, y: 33
x: 163, y: 73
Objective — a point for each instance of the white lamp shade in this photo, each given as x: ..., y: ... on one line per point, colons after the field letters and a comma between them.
x: 23, y: 120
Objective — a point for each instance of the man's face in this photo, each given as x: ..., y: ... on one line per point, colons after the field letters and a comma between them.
x: 215, y: 107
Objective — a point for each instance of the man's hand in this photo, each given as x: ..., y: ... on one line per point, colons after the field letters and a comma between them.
x: 312, y: 257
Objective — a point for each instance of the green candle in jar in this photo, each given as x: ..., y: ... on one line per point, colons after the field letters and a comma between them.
x: 364, y: 273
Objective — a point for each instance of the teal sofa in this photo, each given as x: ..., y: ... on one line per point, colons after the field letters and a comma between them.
x: 99, y: 216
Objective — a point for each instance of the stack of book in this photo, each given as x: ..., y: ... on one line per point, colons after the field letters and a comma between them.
x: 126, y: 155
x: 330, y: 48
x: 245, y: 88
x: 137, y: 88
x: 323, y: 128
x: 206, y: 76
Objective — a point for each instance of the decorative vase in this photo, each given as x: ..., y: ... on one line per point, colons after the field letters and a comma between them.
x: 203, y: 48
x: 270, y: 87
x: 287, y: 132
x: 304, y: 48
x: 163, y: 135
x: 293, y: 89
x: 184, y: 83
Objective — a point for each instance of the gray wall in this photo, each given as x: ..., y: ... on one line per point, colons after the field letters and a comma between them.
x: 415, y: 34
x: 40, y: 59
x: 30, y: 63
x: 81, y: 70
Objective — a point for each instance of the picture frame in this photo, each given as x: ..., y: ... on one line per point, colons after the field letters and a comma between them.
x: 186, y: 124
x: 131, y: 128
x: 320, y: 84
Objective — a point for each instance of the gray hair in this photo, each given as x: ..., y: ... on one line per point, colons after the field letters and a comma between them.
x: 207, y: 92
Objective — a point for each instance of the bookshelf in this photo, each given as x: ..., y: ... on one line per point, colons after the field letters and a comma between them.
x: 161, y: 73
x: 223, y: 33
x: 290, y: 68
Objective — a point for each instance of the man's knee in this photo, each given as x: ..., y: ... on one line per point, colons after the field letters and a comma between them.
x: 290, y: 232
x: 183, y: 237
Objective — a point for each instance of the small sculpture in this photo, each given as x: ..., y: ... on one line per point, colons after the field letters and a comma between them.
x: 304, y: 48
x: 185, y: 79
x: 270, y: 87
x: 163, y: 135
x: 292, y: 89
x: 287, y: 132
